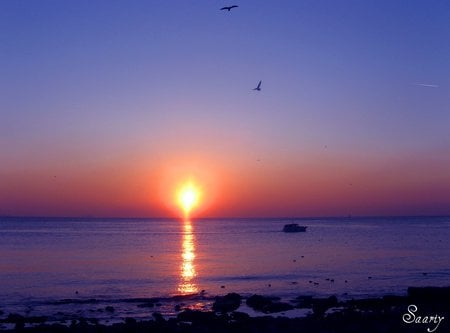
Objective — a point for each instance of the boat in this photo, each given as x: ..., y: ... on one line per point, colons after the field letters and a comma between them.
x: 294, y: 227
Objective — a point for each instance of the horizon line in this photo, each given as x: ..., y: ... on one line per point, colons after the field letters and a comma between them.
x: 224, y: 217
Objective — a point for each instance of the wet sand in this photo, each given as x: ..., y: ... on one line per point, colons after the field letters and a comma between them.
x: 424, y: 309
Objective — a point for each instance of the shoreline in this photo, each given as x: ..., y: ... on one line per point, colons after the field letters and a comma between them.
x: 236, y: 313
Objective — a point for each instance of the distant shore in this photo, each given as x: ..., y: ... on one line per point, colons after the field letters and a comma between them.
x: 422, y: 309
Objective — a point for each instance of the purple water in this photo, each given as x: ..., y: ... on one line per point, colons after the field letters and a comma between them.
x: 46, y: 260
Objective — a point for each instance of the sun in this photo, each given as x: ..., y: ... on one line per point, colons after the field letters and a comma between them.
x: 188, y: 197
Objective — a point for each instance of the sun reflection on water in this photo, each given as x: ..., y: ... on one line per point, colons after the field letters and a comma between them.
x: 187, y: 270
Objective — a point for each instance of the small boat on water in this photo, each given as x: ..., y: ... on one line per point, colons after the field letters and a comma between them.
x: 294, y: 227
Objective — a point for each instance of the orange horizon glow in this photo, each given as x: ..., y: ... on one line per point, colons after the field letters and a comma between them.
x: 269, y: 188
x: 187, y: 186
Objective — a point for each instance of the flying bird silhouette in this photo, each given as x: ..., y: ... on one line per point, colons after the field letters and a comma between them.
x: 258, y: 87
x: 229, y: 7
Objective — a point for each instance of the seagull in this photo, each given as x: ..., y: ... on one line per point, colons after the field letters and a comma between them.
x: 229, y: 7
x: 258, y: 87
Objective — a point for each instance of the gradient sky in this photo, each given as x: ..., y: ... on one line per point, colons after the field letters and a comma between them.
x: 106, y: 106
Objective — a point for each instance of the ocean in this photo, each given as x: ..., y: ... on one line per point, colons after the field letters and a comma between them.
x: 67, y: 266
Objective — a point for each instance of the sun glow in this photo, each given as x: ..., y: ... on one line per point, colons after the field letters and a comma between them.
x: 188, y: 197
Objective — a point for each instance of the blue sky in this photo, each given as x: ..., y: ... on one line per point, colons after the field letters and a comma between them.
x: 89, y: 84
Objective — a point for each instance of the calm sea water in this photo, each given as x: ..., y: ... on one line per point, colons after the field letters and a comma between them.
x: 46, y: 260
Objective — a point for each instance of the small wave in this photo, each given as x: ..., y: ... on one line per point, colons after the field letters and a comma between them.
x: 277, y: 277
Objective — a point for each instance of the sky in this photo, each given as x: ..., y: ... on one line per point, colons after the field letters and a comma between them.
x: 106, y: 107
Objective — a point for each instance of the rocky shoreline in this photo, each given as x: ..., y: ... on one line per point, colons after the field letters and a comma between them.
x: 425, y: 309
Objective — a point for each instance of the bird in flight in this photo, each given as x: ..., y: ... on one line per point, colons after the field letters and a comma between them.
x: 258, y: 87
x: 229, y: 7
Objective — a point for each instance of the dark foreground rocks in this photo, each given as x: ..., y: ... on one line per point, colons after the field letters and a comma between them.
x: 227, y: 303
x: 267, y: 304
x: 196, y: 321
x: 422, y: 310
